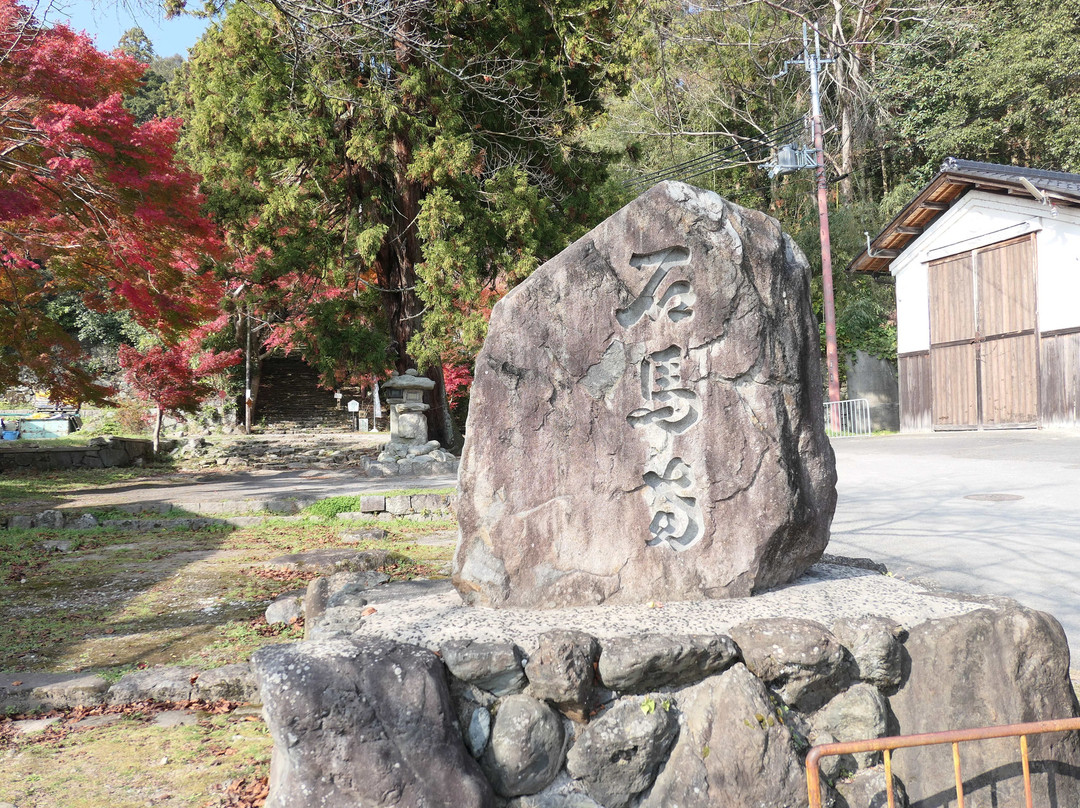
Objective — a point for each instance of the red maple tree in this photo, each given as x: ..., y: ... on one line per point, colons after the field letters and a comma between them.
x: 174, y: 378
x: 90, y: 202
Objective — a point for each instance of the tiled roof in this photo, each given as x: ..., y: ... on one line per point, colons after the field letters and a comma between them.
x: 954, y: 179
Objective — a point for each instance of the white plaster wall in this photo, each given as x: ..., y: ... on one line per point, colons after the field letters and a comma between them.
x: 1058, y: 247
x: 912, y: 310
x: 982, y: 218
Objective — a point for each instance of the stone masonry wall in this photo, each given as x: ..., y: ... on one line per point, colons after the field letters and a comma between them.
x: 106, y: 452
x: 695, y: 718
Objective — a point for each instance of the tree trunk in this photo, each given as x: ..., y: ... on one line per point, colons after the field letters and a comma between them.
x: 157, y: 429
x: 847, y: 161
x: 396, y: 271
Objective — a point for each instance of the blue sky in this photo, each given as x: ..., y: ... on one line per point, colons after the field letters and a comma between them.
x: 106, y: 20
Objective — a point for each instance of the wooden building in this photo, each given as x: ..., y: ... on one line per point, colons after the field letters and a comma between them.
x: 986, y: 261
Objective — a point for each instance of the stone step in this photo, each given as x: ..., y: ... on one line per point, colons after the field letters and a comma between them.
x: 26, y: 691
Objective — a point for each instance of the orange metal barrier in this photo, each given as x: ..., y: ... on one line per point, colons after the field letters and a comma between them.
x: 954, y: 737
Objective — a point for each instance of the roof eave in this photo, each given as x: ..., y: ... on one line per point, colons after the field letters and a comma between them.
x: 947, y: 186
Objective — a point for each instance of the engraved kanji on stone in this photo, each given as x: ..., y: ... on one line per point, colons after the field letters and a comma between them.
x: 676, y: 518
x: 675, y: 301
x: 674, y: 407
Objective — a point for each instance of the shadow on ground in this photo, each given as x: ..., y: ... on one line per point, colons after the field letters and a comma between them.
x: 182, y: 588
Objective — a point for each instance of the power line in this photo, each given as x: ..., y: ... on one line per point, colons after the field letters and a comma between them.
x: 748, y: 149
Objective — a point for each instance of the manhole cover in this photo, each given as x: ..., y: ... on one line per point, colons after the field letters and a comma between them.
x: 994, y: 497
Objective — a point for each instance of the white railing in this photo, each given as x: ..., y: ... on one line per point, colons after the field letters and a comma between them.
x: 847, y: 419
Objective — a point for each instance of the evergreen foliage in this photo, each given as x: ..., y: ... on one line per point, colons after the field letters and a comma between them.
x: 422, y: 151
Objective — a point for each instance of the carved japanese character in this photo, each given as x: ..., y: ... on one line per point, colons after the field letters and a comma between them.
x: 675, y: 301
x: 676, y: 518
x: 674, y: 407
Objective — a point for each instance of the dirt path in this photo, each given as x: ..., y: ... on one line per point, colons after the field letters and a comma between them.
x: 232, y: 486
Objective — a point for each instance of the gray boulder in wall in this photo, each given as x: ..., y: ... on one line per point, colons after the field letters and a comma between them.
x: 618, y: 754
x: 731, y: 750
x: 645, y: 422
x: 366, y: 722
x: 562, y: 671
x: 859, y: 713
x: 992, y: 666
x: 799, y: 659
x: 867, y: 789
x: 656, y: 662
x: 492, y: 666
x: 875, y: 643
x: 527, y: 746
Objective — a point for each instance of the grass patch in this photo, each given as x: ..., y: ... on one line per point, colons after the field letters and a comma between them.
x: 132, y: 763
x: 332, y: 506
x: 121, y: 597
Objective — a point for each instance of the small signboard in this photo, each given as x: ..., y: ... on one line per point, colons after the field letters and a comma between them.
x: 354, y: 405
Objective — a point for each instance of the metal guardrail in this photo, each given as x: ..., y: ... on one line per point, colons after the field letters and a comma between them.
x: 847, y: 419
x: 954, y: 737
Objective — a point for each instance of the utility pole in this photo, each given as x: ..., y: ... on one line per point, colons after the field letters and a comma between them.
x: 832, y: 358
x: 790, y: 159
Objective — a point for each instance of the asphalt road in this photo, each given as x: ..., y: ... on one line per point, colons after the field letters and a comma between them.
x: 988, y: 513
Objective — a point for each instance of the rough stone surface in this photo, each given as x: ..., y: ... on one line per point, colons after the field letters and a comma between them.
x: 52, y: 519
x: 876, y: 644
x: 618, y: 754
x: 428, y: 502
x: 365, y: 722
x: 157, y: 684
x: 494, y: 667
x: 800, y: 659
x: 398, y: 505
x: 175, y: 718
x: 991, y: 666
x: 228, y: 683
x: 867, y: 790
x: 730, y: 751
x: 30, y: 726
x: 658, y: 432
x: 83, y: 691
x: 84, y: 521
x: 373, y: 503
x: 315, y: 598
x: 562, y: 671
x: 352, y: 588
x: 473, y: 708
x: 286, y: 609
x: 860, y: 712
x: 555, y: 799
x: 653, y: 661
x: 478, y: 731
x: 329, y: 561
x: 830, y: 766
x: 357, y: 536
x: 527, y: 747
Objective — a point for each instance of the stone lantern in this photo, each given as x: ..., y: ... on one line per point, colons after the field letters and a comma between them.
x: 405, y: 396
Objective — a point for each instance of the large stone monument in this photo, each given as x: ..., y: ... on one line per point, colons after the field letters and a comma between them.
x: 646, y: 420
